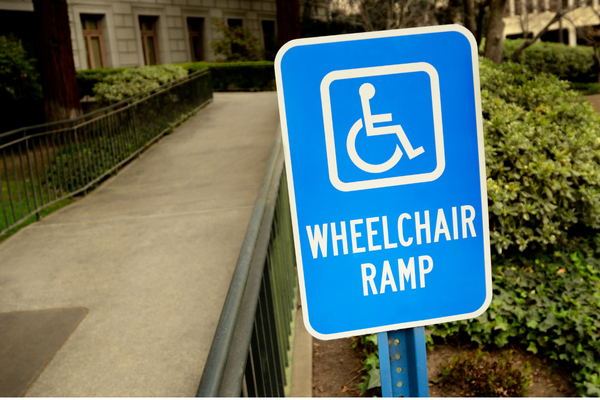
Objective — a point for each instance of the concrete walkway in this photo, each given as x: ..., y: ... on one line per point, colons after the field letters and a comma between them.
x: 595, y: 100
x: 150, y: 254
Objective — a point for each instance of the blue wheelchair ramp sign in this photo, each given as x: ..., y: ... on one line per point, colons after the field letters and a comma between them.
x: 383, y: 142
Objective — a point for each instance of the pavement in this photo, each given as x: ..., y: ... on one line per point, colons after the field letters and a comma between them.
x: 143, y: 263
x: 595, y: 100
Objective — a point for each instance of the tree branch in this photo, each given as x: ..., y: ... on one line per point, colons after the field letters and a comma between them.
x: 557, y: 17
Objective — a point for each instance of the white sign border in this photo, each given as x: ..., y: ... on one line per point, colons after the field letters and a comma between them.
x: 482, y: 168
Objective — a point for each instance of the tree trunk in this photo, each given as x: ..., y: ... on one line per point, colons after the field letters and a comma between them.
x: 59, y: 82
x: 288, y: 20
x: 453, y: 14
x: 495, y: 34
x: 307, y: 10
x: 470, y: 16
x: 483, y: 6
x: 560, y: 24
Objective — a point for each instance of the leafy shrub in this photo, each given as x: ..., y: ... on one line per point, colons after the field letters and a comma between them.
x: 236, y: 43
x: 572, y: 63
x: 543, y: 166
x: 481, y: 377
x: 18, y: 77
x: 87, y: 78
x: 21, y: 99
x: 133, y: 81
x: 239, y: 76
x: 543, y: 159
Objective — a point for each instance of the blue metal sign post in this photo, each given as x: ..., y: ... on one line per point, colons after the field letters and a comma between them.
x: 403, y: 363
x: 383, y: 143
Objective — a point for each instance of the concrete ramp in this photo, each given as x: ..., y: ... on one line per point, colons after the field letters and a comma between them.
x: 149, y: 253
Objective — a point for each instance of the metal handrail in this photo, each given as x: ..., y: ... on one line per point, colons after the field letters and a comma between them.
x: 260, y: 303
x: 112, y: 107
x: 210, y: 383
x: 41, y: 166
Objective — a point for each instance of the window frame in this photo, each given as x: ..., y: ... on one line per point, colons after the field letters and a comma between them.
x: 199, y: 34
x: 147, y: 33
x: 88, y: 35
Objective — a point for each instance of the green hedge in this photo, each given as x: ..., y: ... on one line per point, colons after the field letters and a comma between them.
x: 575, y: 64
x: 239, y: 76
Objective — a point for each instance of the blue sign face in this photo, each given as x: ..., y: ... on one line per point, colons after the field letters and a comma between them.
x: 383, y: 142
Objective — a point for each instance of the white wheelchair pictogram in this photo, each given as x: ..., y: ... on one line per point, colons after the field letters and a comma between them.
x: 367, y: 92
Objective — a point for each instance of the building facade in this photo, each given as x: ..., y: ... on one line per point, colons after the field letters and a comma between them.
x: 128, y: 33
x: 529, y: 17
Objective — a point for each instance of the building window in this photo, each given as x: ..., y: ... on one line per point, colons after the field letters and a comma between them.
x: 235, y: 22
x: 94, y: 42
x: 195, y: 31
x: 555, y: 36
x: 268, y: 29
x: 149, y: 40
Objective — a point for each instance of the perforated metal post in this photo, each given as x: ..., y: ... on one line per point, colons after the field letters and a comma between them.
x: 403, y: 363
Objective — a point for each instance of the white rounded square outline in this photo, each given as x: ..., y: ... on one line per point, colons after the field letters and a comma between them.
x: 329, y: 134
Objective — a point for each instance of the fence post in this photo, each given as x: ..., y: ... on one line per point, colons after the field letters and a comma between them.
x: 403, y: 363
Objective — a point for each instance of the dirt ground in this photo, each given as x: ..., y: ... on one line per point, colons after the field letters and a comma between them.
x: 337, y: 370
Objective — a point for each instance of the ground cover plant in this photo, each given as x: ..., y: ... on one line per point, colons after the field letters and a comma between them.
x: 549, y: 305
x: 543, y: 168
x: 479, y: 376
x: 371, y: 381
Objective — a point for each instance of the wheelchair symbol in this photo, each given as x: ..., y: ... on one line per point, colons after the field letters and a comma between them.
x: 421, y: 92
x: 367, y: 92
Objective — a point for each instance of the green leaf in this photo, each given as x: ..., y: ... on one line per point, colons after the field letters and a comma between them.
x: 371, y: 362
x: 560, y: 341
x: 501, y: 324
x: 371, y: 338
x: 532, y: 348
x: 374, y: 378
x: 532, y: 323
x: 548, y: 323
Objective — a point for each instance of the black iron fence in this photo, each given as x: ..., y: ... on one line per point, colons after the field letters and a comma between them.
x: 251, y: 351
x: 44, y: 164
